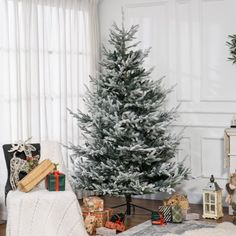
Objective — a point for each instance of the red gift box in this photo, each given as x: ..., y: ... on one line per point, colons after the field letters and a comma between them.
x: 119, y: 226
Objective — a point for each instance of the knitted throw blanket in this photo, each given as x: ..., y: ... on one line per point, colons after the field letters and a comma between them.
x: 41, y: 212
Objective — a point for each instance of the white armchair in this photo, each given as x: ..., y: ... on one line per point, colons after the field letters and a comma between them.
x: 41, y: 212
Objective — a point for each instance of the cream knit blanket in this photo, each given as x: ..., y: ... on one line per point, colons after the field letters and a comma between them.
x: 41, y: 212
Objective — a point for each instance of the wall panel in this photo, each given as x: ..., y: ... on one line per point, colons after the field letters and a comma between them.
x: 183, y: 51
x: 218, y: 74
x: 188, y: 40
x: 154, y: 30
x: 211, y: 157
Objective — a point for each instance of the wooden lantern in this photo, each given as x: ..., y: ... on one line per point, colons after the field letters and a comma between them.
x: 212, y: 200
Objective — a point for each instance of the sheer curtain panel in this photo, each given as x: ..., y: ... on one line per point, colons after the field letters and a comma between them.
x: 48, y: 49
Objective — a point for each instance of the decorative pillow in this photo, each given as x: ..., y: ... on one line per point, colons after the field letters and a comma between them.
x: 19, y: 159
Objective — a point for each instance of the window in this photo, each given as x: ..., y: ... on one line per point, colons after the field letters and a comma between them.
x: 47, y: 51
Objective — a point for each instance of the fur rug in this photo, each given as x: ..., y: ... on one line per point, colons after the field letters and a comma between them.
x: 147, y: 229
x: 223, y: 229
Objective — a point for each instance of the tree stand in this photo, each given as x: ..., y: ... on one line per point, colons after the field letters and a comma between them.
x: 129, y: 204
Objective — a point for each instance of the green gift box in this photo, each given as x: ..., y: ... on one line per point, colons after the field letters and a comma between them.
x: 177, y: 216
x: 55, y: 181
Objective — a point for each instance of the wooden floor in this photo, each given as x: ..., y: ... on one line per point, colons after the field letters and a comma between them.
x: 140, y: 215
x: 2, y: 230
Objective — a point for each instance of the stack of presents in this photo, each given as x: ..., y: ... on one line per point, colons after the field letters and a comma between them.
x: 25, y: 171
x: 174, y: 210
x: 54, y: 180
x: 101, y: 221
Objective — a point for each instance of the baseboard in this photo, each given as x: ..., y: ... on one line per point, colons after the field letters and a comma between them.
x: 194, y: 198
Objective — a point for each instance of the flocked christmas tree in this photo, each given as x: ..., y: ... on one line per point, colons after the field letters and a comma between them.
x: 232, y: 47
x: 129, y: 145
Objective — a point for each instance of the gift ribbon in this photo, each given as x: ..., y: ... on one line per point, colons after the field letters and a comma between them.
x: 99, y: 214
x: 57, y: 174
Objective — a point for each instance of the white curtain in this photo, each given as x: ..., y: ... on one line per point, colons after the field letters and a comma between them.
x: 48, y: 49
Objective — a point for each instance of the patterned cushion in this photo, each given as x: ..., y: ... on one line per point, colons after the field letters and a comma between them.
x: 166, y: 212
x: 176, y: 212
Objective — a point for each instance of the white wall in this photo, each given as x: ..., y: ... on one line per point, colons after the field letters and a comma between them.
x: 188, y: 40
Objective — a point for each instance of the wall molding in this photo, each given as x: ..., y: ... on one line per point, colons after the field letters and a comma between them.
x: 207, y: 112
x: 203, y: 97
x: 213, y: 0
x: 217, y: 100
x: 199, y: 126
x: 202, y: 156
x: 178, y: 49
x: 189, y: 156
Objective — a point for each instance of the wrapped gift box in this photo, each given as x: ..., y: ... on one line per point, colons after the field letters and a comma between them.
x: 103, y: 231
x: 101, y: 216
x: 177, y: 199
x: 117, y: 217
x: 90, y: 223
x: 184, y: 212
x: 166, y: 212
x: 36, y: 176
x: 55, y: 181
x: 119, y: 226
x: 191, y: 216
x: 157, y: 218
x: 176, y: 213
x: 94, y: 203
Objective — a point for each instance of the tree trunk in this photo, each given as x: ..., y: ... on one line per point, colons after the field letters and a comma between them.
x: 128, y: 204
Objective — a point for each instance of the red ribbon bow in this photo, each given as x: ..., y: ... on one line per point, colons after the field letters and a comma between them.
x: 57, y: 174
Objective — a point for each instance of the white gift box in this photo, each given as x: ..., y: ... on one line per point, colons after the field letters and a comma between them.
x: 102, y: 231
x: 191, y: 216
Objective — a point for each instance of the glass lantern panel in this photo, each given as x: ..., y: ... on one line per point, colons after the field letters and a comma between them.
x: 207, y: 208
x: 212, y: 208
x: 212, y: 198
x: 207, y: 197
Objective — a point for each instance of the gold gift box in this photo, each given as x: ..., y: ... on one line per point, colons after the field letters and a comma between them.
x: 36, y: 176
x: 93, y: 203
x: 177, y: 199
x: 101, y: 216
